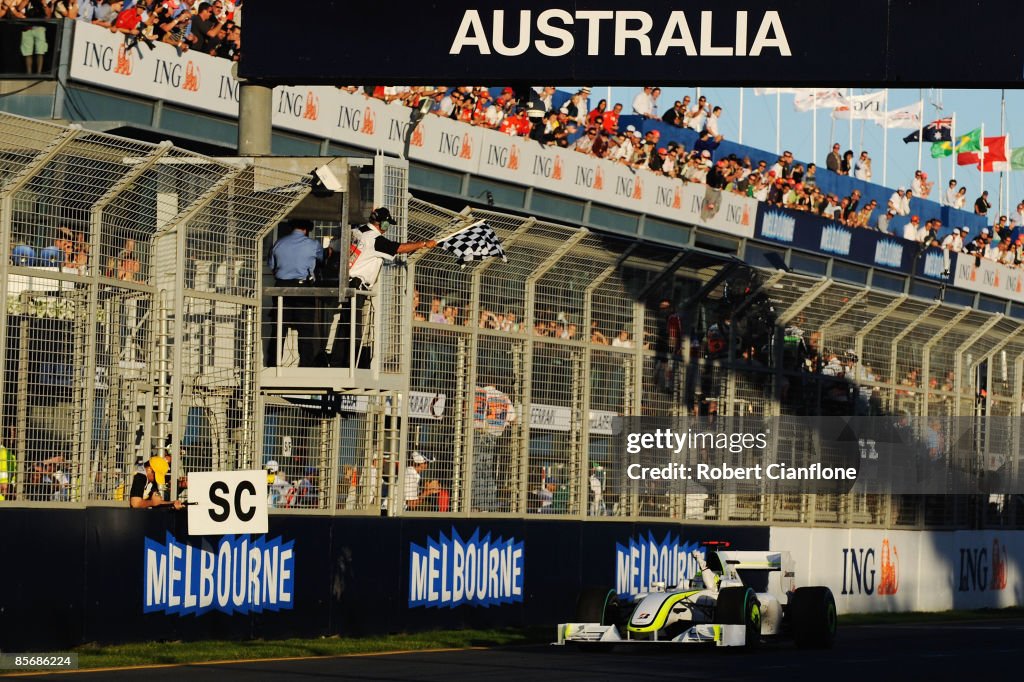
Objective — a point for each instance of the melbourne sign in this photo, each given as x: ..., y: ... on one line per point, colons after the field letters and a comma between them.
x: 644, y: 560
x: 234, y: 575
x: 449, y: 571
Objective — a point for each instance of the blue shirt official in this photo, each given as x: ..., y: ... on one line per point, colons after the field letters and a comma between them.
x: 295, y: 256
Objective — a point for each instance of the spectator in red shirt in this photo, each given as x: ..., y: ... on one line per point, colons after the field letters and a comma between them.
x: 611, y: 119
x: 128, y: 20
x: 599, y: 110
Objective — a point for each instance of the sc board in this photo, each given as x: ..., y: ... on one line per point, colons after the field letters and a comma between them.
x: 228, y: 503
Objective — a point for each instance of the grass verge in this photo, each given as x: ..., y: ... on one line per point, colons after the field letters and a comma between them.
x: 172, y: 653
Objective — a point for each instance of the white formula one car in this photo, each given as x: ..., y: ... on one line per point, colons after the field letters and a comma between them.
x: 720, y: 607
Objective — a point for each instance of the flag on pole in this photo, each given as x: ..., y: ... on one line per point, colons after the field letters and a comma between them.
x: 1017, y: 159
x: 904, y: 117
x: 968, y: 142
x: 936, y: 131
x: 860, y: 106
x: 994, y: 152
x: 474, y: 243
x: 811, y: 98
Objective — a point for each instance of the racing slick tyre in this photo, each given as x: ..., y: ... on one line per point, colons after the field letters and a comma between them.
x: 812, y: 611
x: 739, y: 606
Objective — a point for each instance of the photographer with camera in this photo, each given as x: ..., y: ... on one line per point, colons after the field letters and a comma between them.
x: 136, y: 25
x: 206, y: 27
x: 173, y: 29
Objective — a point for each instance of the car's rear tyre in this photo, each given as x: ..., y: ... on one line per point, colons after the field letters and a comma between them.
x: 812, y: 611
x: 739, y: 606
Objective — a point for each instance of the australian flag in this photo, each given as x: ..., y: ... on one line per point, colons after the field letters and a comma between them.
x: 936, y: 131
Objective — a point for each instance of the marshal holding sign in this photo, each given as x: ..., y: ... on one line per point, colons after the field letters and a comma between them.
x: 228, y: 503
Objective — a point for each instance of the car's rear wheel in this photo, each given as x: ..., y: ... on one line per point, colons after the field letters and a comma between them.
x: 812, y: 611
x: 739, y: 606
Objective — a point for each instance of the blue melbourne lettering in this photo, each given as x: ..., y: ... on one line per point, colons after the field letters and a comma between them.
x: 478, y: 571
x: 935, y: 265
x: 778, y: 226
x: 645, y: 561
x: 888, y: 253
x: 236, y: 575
x: 836, y: 240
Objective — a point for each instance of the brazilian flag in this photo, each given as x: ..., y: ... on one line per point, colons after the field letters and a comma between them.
x: 968, y: 142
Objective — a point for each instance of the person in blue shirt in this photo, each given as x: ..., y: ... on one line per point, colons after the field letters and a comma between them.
x: 294, y: 260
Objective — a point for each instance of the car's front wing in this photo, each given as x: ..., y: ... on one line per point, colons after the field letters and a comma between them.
x: 701, y: 633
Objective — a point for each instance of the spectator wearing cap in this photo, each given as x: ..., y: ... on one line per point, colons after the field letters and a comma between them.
x: 145, y: 490
x: 626, y: 148
x: 920, y: 185
x: 656, y: 162
x: 953, y: 241
x: 910, y: 229
x: 981, y: 204
x: 415, y: 497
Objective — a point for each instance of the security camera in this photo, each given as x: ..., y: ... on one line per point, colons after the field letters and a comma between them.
x: 327, y: 179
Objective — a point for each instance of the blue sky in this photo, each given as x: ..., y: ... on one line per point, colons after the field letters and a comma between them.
x: 972, y: 108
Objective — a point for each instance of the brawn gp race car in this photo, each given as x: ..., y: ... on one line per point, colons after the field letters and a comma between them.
x: 721, y: 606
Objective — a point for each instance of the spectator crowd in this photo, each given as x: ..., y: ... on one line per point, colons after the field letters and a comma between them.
x: 213, y: 28
x: 786, y: 183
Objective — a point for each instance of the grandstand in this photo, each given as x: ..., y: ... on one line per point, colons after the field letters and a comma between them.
x: 174, y: 356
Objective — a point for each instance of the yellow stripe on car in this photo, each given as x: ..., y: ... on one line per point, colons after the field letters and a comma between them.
x: 659, y: 621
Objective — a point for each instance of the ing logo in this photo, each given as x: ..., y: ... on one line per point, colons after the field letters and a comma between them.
x: 312, y: 109
x: 467, y: 148
x: 368, y: 122
x: 599, y: 179
x: 677, y: 198
x: 638, y: 190
x: 889, y: 583
x: 556, y: 174
x: 417, y: 137
x: 124, y: 62
x: 191, y: 82
x: 513, y: 158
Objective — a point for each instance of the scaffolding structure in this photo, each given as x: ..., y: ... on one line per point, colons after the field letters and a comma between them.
x: 136, y: 320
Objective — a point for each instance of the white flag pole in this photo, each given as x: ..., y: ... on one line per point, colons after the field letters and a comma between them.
x: 1003, y: 207
x: 981, y: 157
x: 952, y: 157
x: 920, y: 130
x: 814, y: 127
x: 885, y: 141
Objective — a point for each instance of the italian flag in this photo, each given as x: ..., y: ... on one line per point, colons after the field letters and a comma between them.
x: 994, y: 154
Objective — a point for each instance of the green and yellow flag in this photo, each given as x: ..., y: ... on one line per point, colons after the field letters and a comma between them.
x: 968, y: 142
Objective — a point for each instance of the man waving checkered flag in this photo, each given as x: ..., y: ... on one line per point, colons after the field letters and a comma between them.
x: 476, y: 242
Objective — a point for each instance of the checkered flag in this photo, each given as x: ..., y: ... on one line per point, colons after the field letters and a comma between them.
x: 476, y: 242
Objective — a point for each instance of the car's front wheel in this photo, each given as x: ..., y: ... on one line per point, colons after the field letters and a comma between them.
x: 739, y: 606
